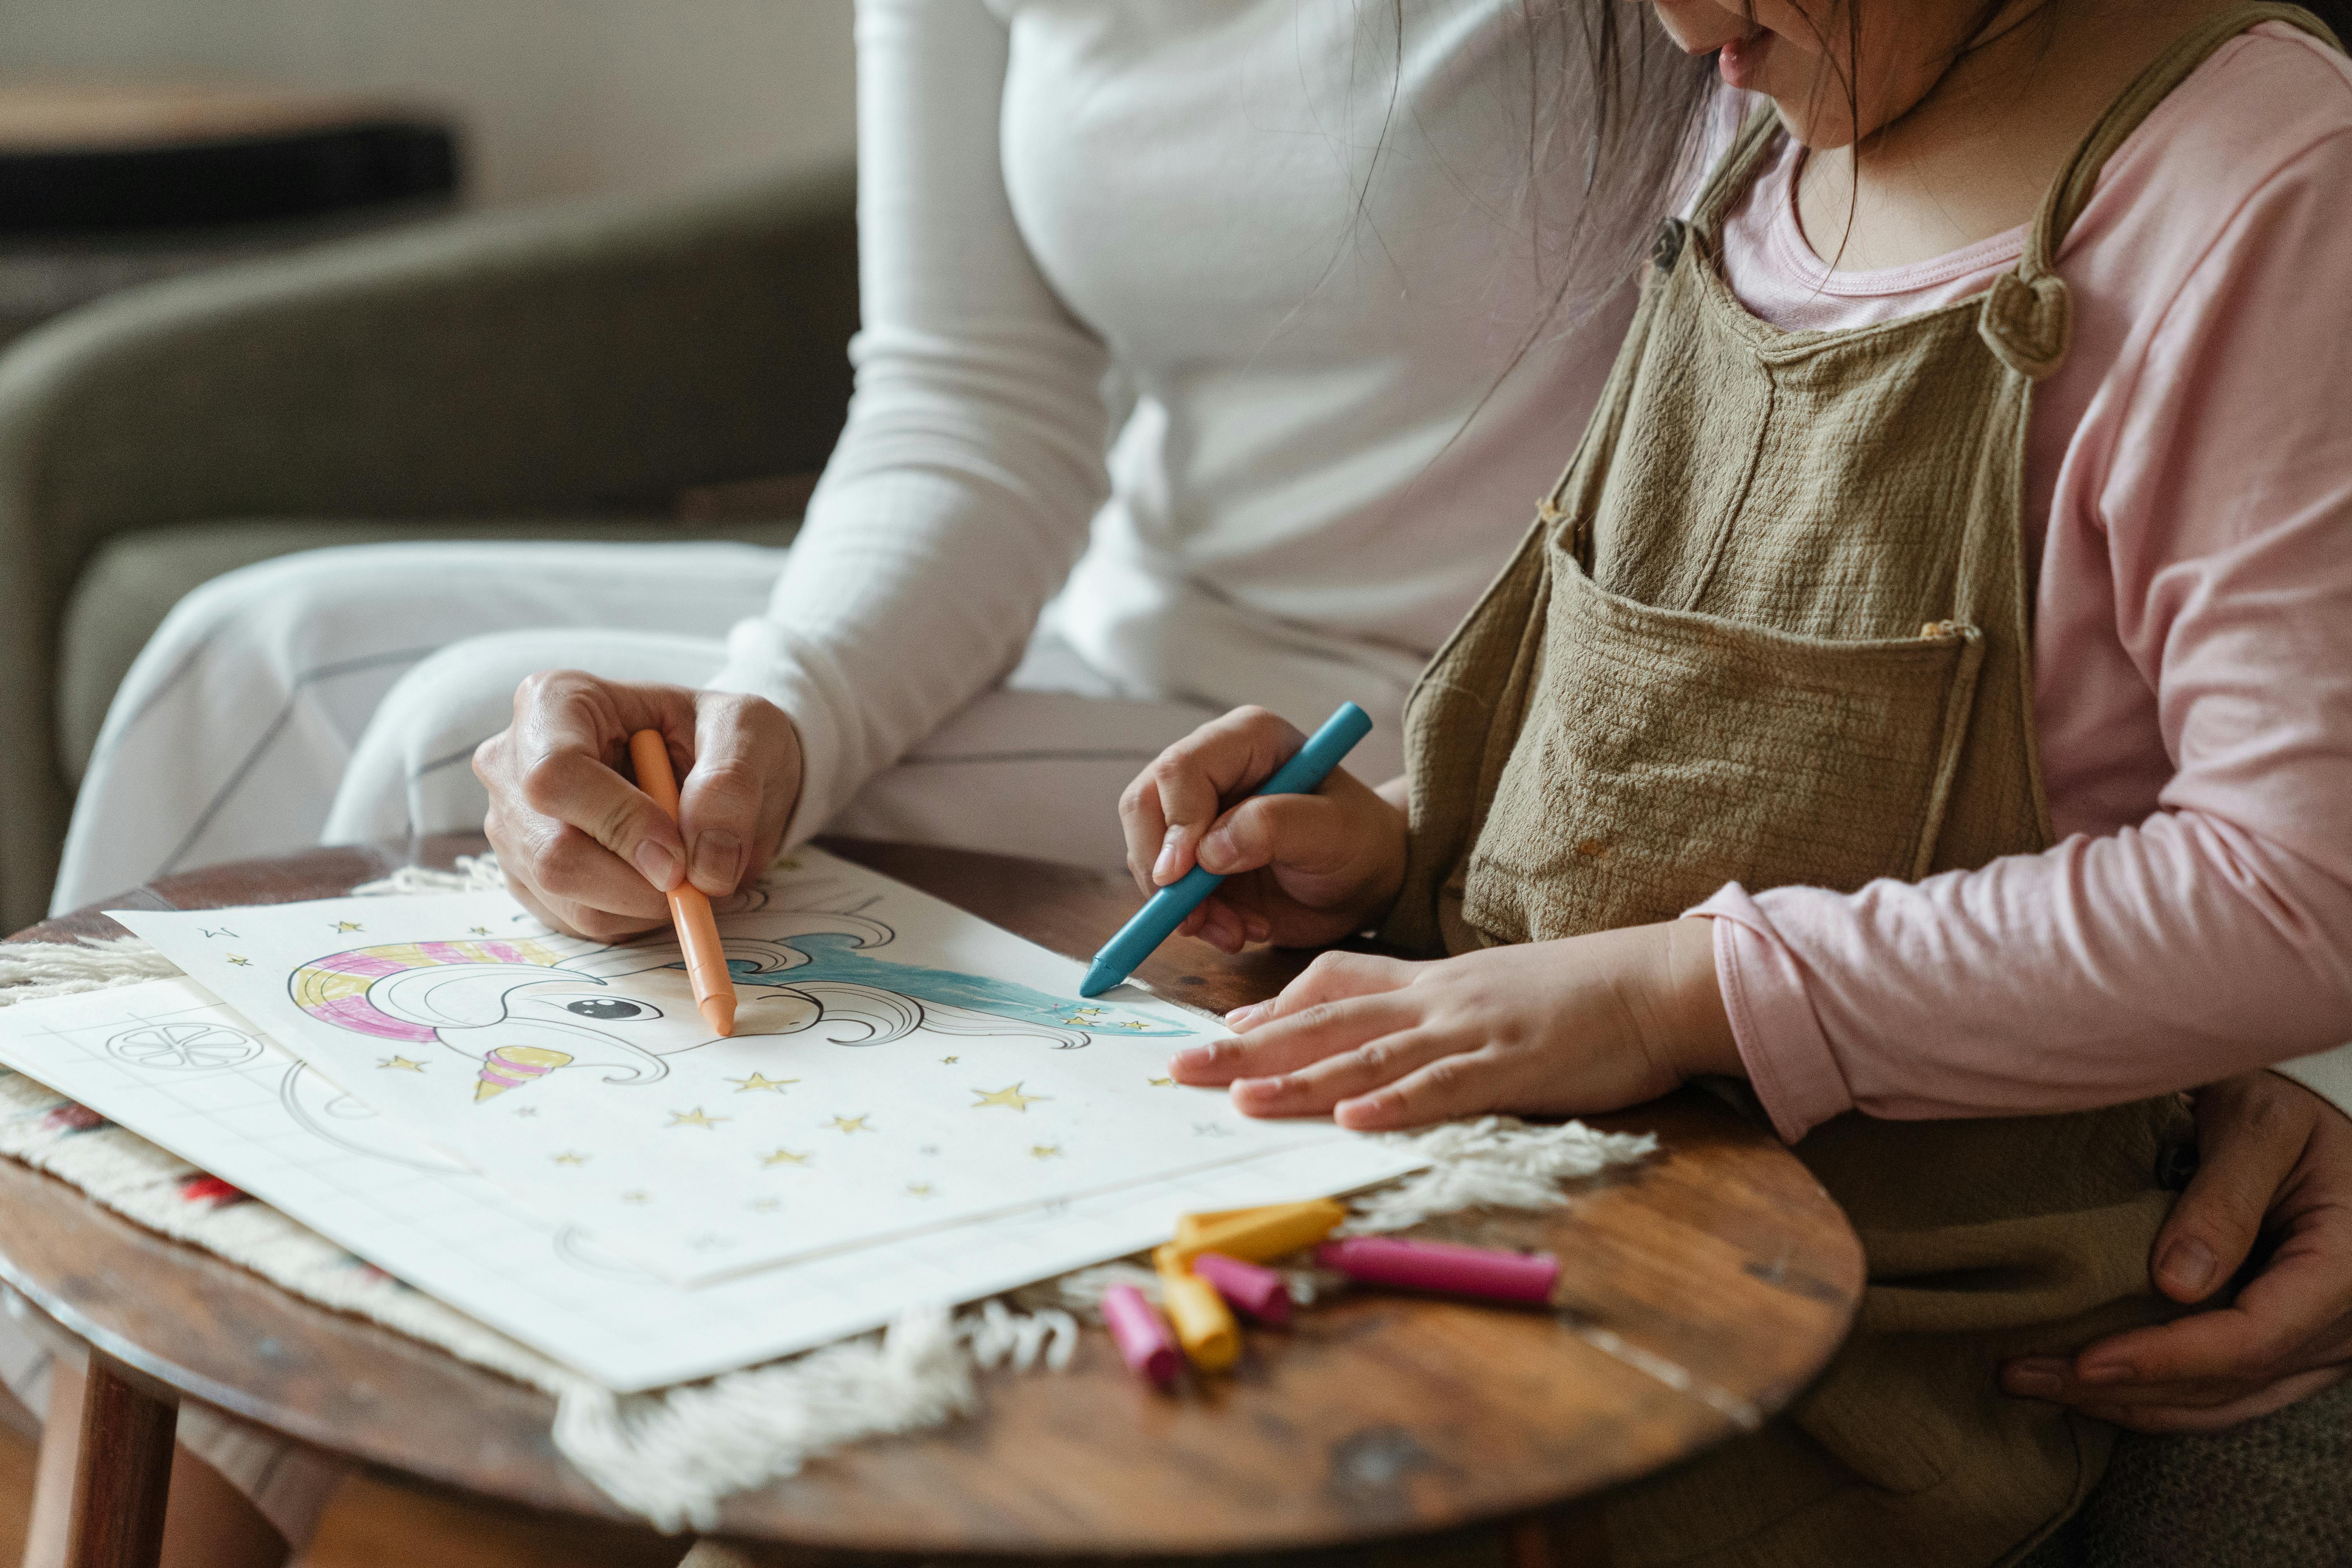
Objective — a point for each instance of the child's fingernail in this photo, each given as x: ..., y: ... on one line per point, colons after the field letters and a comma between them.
x: 1243, y: 1016
x: 1165, y: 867
x: 2105, y: 1371
x: 1195, y: 1056
x: 656, y: 865
x: 1216, y: 850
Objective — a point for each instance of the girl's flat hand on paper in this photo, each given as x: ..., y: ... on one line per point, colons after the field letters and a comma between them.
x: 1302, y: 870
x: 583, y: 849
x: 2273, y: 1158
x: 1585, y: 1023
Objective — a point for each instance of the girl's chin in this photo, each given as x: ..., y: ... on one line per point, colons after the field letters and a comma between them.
x: 1740, y: 62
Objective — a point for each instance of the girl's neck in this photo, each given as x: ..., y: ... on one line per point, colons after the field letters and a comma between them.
x: 1974, y: 157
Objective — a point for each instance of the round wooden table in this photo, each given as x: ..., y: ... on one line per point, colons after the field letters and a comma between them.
x: 1698, y: 1293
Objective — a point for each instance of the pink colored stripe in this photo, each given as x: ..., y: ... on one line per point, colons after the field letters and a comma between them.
x: 359, y: 963
x: 524, y: 1068
x: 444, y: 953
x: 358, y: 1013
x: 505, y: 952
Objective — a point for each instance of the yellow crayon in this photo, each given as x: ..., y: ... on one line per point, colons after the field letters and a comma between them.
x: 1259, y: 1235
x: 1203, y: 1323
x: 1190, y: 1226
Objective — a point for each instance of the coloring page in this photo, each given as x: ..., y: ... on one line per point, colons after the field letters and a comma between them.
x: 178, y: 1067
x: 899, y: 1065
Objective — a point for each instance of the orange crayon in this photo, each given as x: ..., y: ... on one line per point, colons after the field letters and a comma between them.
x: 697, y: 932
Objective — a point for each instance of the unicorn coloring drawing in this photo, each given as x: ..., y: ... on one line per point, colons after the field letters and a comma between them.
x: 524, y: 1007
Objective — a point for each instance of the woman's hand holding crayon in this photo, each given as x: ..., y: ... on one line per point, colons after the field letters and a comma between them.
x: 1586, y: 1023
x: 583, y: 849
x: 1302, y: 870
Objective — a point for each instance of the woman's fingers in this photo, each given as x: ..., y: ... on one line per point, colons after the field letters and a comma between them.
x: 570, y: 731
x: 2250, y: 1134
x: 739, y: 794
x: 2188, y: 1417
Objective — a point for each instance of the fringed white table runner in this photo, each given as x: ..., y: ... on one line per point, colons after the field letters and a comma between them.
x: 672, y: 1454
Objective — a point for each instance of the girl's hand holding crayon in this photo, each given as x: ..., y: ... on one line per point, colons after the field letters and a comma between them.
x: 1302, y: 870
x: 1586, y: 1023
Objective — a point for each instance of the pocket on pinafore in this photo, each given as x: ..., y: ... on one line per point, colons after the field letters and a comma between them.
x: 1666, y: 752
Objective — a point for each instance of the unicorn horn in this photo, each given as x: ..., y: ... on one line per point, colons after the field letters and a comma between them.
x: 511, y: 1066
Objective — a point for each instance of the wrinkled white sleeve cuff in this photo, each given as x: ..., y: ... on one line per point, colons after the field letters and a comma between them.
x: 2327, y: 1074
x: 1781, y: 1042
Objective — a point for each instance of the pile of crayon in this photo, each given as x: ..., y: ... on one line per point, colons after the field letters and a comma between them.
x: 1216, y: 1264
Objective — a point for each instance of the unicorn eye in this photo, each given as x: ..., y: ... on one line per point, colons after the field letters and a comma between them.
x: 609, y: 1009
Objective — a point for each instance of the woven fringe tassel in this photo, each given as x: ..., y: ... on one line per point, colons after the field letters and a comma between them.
x: 30, y: 971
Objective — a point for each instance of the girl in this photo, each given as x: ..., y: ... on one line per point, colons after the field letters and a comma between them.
x: 1773, y: 655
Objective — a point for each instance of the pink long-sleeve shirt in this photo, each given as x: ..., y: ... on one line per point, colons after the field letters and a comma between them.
x: 2189, y: 518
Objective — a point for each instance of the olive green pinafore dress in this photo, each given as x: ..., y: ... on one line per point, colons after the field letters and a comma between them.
x: 1772, y: 627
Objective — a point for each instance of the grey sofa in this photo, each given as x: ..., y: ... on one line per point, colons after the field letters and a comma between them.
x: 562, y: 372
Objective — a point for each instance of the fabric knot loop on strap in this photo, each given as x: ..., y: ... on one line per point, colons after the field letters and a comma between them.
x: 1667, y: 248
x: 2028, y: 324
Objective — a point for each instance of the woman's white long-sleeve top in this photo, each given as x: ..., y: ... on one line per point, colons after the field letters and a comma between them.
x: 1179, y: 313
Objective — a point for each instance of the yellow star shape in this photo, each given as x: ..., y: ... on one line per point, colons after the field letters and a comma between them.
x: 1163, y: 1083
x: 757, y: 1081
x: 1011, y: 1098
x: 694, y: 1118
x: 920, y: 1189
x: 1132, y: 1024
x: 479, y: 930
x: 401, y: 1063
x: 950, y: 1061
x: 850, y: 1124
x: 1045, y: 1151
x: 348, y: 925
x: 636, y: 1197
x: 784, y: 1157
x: 570, y: 1157
x: 240, y: 963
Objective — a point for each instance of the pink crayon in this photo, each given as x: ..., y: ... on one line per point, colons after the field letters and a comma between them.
x: 1142, y: 1334
x: 1444, y: 1266
x: 1261, y: 1292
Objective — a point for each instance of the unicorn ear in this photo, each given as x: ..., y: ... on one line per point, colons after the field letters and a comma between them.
x: 460, y: 995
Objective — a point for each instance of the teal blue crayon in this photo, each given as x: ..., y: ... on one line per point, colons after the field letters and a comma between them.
x: 1157, y: 921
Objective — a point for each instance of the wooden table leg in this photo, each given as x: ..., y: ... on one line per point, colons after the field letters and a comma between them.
x: 123, y: 1475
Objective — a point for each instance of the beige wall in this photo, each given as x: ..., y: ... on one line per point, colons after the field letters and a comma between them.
x: 556, y: 97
